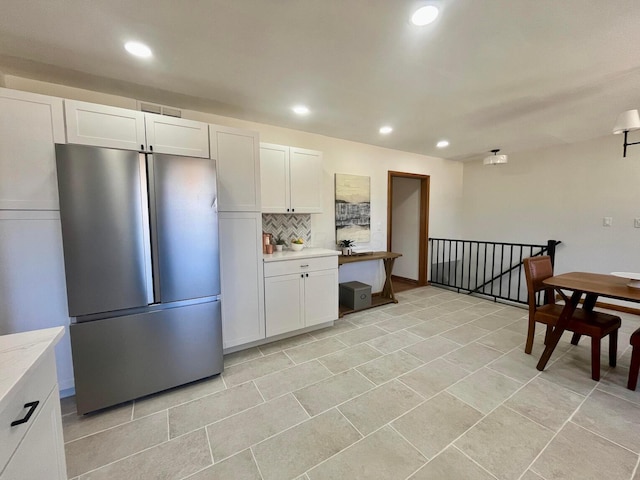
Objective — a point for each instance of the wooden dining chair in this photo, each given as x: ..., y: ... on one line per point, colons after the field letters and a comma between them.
x: 596, y: 325
x: 634, y: 368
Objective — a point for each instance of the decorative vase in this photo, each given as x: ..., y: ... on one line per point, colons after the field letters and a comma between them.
x: 346, y: 251
x: 278, y: 248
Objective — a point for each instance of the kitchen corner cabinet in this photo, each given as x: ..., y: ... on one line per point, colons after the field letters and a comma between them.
x: 236, y: 153
x: 241, y: 277
x: 113, y: 127
x: 30, y: 125
x: 300, y: 293
x: 292, y: 179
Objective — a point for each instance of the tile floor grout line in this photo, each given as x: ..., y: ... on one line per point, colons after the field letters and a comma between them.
x: 349, y: 422
x: 467, y: 456
x: 213, y: 460
x: 603, y: 437
x: 259, y: 392
x: 255, y: 461
x: 636, y: 469
x: 528, y: 418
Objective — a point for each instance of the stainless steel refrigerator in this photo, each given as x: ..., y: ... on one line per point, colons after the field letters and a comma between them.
x: 140, y: 239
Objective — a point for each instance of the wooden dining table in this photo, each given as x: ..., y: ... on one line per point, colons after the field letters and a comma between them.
x: 594, y: 285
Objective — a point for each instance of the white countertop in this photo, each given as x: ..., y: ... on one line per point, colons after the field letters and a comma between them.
x: 20, y: 353
x: 304, y: 253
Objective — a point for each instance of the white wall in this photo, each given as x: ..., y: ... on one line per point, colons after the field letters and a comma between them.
x: 561, y: 193
x: 406, y: 226
x: 340, y: 156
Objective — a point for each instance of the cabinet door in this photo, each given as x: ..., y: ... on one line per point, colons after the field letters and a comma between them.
x: 41, y: 452
x: 306, y: 180
x: 176, y: 136
x: 241, y: 276
x: 238, y: 162
x: 103, y: 126
x: 30, y: 125
x: 283, y: 303
x: 321, y: 297
x: 274, y: 170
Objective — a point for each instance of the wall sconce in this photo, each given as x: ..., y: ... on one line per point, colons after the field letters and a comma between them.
x: 627, y: 122
x: 495, y: 159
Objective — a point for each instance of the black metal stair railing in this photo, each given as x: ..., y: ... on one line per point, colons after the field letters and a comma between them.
x: 492, y: 269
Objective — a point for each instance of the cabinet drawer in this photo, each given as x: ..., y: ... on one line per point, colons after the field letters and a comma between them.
x: 301, y: 265
x: 36, y: 385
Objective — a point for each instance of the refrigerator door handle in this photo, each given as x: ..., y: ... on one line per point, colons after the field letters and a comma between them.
x: 146, y: 228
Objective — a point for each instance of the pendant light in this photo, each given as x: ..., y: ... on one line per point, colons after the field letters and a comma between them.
x: 495, y: 159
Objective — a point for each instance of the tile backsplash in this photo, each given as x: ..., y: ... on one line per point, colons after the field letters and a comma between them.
x: 287, y: 226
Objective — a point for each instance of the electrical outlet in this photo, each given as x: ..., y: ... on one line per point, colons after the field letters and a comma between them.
x: 636, y: 222
x: 607, y: 221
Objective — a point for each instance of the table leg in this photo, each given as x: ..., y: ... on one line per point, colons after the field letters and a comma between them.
x: 558, y: 330
x: 387, y: 289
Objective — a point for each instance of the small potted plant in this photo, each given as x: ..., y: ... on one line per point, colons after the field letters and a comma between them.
x: 297, y: 244
x: 279, y: 243
x: 347, y: 246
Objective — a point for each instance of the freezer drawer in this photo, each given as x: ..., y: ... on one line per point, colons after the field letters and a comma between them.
x: 122, y: 358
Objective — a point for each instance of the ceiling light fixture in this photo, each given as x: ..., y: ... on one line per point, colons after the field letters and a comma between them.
x: 300, y: 110
x: 386, y: 130
x: 495, y: 159
x: 442, y: 144
x: 138, y: 49
x: 627, y: 122
x: 424, y: 15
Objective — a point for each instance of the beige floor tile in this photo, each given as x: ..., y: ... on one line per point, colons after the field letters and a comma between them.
x: 332, y: 391
x: 175, y: 459
x: 294, y: 451
x: 429, y: 328
x: 517, y: 365
x: 484, y: 389
x: 505, y: 443
x: 473, y: 356
x: 615, y: 383
x: 316, y: 349
x: 383, y: 455
x: 513, y: 313
x: 349, y: 358
x: 400, y: 309
x: 235, y: 358
x: 93, y: 451
x: 361, y: 335
x: 286, y: 343
x: 531, y: 475
x: 430, y: 313
x: 339, y: 326
x: 390, y: 366
x: 522, y: 326
x: 465, y: 334
x: 460, y: 317
x: 368, y: 317
x: 75, y: 426
x: 503, y: 340
x: 454, y: 305
x: 378, y: 407
x: 291, y: 379
x: 434, y: 377
x: 545, y: 403
x: 236, y: 433
x: 491, y: 322
x: 427, y: 302
x: 446, y: 418
x: 256, y: 368
x: 395, y: 324
x: 486, y: 308
x: 577, y: 454
x: 612, y: 417
x: 572, y: 373
x: 238, y: 467
x: 176, y: 396
x: 203, y: 411
x: 394, y: 341
x: 431, y: 348
x: 451, y: 464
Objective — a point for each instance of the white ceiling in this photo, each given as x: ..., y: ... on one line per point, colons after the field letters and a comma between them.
x: 509, y: 74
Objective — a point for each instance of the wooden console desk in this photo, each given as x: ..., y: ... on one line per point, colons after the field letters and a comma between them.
x: 379, y: 298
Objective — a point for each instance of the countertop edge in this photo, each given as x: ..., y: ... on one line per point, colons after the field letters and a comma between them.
x: 305, y: 253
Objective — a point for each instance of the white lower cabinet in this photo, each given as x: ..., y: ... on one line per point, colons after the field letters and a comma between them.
x: 300, y: 293
x: 241, y: 277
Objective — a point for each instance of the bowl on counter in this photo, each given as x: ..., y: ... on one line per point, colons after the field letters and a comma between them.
x: 296, y: 247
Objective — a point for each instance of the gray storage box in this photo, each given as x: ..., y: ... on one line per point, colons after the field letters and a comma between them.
x: 355, y: 295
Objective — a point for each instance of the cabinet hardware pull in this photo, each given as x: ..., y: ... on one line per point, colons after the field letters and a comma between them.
x: 287, y: 209
x: 141, y: 147
x: 302, y: 275
x: 32, y: 408
x: 307, y: 275
x: 151, y: 148
x: 293, y: 209
x: 304, y: 266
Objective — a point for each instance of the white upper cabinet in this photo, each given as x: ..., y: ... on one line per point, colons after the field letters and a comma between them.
x: 291, y: 179
x: 113, y: 127
x: 176, y: 136
x: 103, y: 126
x: 30, y: 125
x: 238, y: 164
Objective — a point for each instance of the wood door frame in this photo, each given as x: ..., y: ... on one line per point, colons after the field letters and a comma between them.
x: 423, y: 239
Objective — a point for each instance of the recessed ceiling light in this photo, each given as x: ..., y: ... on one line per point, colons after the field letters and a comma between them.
x: 386, y: 130
x: 300, y: 110
x: 442, y: 144
x: 138, y: 49
x: 424, y: 15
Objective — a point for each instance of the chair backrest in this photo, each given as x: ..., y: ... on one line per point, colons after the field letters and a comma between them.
x: 537, y: 269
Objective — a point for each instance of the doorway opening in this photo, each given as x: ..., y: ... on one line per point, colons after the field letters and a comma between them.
x: 408, y: 227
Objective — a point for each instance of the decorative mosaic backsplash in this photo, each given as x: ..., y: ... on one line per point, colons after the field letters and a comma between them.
x: 287, y: 226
